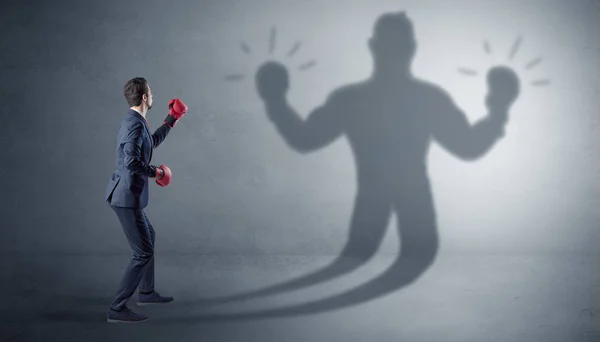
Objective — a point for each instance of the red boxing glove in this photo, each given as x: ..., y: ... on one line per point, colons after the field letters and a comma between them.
x: 177, y: 110
x: 163, y: 175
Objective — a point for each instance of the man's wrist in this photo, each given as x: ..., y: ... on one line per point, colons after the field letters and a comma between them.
x: 170, y: 121
x: 274, y: 108
x: 276, y: 101
x: 499, y: 115
x: 159, y: 173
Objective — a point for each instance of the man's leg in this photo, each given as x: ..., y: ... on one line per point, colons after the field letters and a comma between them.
x: 147, y: 283
x: 139, y: 237
x: 148, y: 294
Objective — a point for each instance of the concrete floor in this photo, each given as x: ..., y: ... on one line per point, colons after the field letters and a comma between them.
x: 459, y: 298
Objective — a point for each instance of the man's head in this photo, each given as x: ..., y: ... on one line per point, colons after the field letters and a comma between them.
x: 138, y: 94
x: 393, y: 43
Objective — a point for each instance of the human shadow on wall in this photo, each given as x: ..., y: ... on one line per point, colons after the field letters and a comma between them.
x: 390, y: 121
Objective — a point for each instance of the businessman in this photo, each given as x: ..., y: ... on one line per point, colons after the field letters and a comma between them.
x: 127, y: 195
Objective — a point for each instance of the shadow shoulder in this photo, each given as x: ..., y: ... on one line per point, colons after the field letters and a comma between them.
x: 348, y: 91
x: 430, y: 89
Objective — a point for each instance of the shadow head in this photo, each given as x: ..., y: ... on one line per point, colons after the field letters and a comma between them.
x: 393, y: 44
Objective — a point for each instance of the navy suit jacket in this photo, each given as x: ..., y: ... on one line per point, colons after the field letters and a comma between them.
x: 128, y: 186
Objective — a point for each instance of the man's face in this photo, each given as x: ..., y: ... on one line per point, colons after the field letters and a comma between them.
x: 148, y: 98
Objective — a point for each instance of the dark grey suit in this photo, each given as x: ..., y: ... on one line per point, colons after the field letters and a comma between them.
x: 127, y: 194
x: 128, y: 186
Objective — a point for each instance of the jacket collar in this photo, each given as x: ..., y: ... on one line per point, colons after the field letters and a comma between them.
x: 135, y: 113
x: 139, y: 116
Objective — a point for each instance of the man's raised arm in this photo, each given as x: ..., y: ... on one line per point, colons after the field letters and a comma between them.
x: 177, y: 110
x: 451, y: 128
x: 320, y: 128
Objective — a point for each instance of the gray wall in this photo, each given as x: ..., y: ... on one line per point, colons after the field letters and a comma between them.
x: 237, y: 187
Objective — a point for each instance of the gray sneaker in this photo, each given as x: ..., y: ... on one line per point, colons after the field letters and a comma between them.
x: 124, y: 316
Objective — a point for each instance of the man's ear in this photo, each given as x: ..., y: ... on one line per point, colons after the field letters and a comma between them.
x: 371, y: 44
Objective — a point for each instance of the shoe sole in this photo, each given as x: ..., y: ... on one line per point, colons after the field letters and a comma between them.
x: 109, y: 320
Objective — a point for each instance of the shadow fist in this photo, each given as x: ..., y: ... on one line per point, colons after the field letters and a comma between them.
x: 503, y: 89
x: 272, y: 81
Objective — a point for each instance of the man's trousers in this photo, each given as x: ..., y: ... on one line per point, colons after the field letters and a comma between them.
x: 140, y: 271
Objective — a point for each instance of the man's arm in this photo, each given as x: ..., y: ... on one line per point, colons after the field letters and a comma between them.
x: 452, y: 130
x: 177, y: 110
x: 321, y: 127
x: 133, y: 152
x: 160, y: 134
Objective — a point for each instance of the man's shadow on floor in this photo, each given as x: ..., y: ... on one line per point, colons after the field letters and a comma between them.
x: 390, y: 121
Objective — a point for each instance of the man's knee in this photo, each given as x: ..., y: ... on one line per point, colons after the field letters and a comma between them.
x: 144, y: 256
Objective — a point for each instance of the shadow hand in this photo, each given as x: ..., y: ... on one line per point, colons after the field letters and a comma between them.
x: 503, y: 89
x: 272, y: 82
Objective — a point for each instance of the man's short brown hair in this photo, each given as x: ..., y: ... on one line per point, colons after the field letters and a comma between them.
x: 134, y: 89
